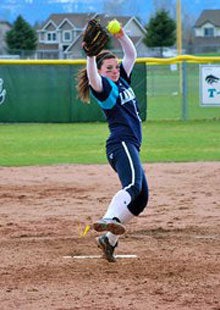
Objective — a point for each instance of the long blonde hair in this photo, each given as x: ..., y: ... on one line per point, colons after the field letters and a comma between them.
x: 82, y: 77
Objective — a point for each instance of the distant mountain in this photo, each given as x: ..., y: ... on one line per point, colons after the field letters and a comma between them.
x: 36, y: 11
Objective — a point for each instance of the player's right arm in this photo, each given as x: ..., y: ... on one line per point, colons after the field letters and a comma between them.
x: 94, y: 77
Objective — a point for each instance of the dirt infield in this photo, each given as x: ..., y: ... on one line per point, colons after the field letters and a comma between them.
x: 43, y: 211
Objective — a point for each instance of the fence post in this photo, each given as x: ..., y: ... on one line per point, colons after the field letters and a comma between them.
x: 184, y: 93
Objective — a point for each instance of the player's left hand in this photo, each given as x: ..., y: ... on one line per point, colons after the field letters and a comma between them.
x: 94, y: 38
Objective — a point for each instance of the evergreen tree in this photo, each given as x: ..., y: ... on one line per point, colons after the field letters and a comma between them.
x: 22, y: 37
x: 161, y: 31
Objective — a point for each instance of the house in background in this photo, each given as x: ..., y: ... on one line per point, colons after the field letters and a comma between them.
x: 207, y: 32
x: 58, y: 32
x: 60, y: 36
x: 4, y: 27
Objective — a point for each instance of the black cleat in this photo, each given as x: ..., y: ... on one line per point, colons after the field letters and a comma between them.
x: 107, y: 248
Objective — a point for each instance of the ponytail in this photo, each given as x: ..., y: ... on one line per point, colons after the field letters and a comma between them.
x: 82, y: 77
x: 83, y: 85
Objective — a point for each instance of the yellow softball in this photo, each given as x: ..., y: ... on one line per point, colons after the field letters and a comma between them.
x: 114, y: 26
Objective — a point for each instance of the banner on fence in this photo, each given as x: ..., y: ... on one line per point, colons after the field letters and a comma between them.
x: 210, y: 85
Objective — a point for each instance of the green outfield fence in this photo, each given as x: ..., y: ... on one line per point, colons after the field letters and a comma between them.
x: 45, y: 90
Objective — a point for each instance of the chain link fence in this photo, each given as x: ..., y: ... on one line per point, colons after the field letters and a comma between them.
x: 174, y: 91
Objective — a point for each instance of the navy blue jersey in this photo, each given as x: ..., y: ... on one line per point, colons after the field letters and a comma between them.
x: 120, y: 106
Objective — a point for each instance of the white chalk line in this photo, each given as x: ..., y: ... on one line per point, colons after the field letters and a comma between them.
x: 98, y: 256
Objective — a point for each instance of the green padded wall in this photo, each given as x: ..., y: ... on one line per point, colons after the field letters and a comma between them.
x: 47, y: 93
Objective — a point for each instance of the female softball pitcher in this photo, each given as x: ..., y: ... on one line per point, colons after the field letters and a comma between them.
x: 109, y: 83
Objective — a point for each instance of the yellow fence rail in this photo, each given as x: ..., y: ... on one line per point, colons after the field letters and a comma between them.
x: 147, y: 60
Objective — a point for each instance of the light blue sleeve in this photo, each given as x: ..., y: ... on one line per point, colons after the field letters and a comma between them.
x: 111, y: 100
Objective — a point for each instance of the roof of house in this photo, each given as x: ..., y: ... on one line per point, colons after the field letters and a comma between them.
x: 210, y: 16
x: 77, y: 19
x: 105, y: 19
x: 4, y: 22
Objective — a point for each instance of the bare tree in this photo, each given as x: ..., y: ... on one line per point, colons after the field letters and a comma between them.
x: 188, y: 22
x: 122, y: 7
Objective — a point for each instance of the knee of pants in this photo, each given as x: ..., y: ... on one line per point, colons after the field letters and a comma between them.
x: 134, y: 191
x: 139, y: 204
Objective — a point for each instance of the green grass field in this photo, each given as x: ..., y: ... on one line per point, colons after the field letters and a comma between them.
x: 167, y: 141
x: 165, y: 137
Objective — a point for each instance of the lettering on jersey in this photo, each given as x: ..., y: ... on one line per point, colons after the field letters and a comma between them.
x: 127, y: 95
x: 2, y: 92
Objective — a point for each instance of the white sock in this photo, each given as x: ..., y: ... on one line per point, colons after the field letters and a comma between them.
x: 118, y: 207
x: 112, y: 238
